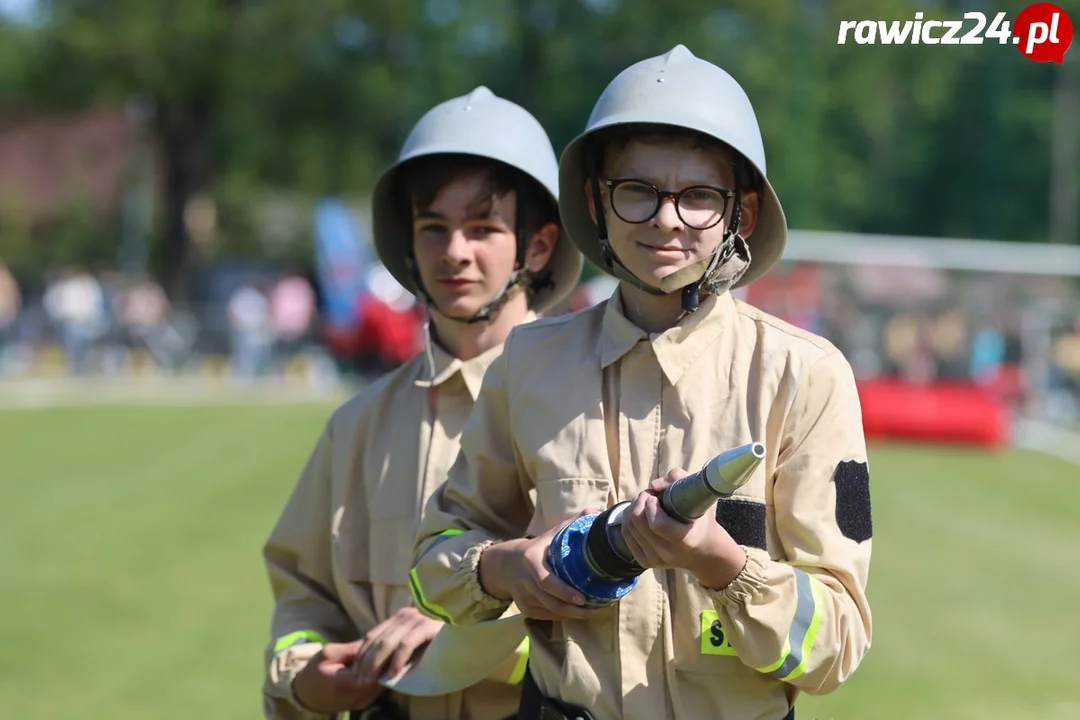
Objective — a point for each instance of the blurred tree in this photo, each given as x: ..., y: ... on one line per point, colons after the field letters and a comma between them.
x: 204, y: 65
x: 104, y: 51
x: 314, y: 98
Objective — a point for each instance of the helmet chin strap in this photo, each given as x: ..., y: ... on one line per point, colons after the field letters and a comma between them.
x: 695, y: 279
x: 518, y: 277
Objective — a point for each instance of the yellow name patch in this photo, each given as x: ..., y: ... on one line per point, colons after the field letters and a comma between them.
x: 713, y: 638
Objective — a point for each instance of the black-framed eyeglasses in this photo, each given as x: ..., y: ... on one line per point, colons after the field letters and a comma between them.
x: 699, y: 206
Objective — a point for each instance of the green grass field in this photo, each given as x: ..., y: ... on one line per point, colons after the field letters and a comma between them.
x: 132, y: 585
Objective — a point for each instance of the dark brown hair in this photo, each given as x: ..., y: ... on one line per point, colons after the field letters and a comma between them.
x: 614, y: 139
x: 422, y: 179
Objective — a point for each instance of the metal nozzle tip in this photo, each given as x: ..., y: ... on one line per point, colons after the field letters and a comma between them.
x: 732, y: 469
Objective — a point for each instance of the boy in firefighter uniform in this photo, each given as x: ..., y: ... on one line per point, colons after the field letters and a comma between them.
x: 467, y: 219
x: 740, y: 610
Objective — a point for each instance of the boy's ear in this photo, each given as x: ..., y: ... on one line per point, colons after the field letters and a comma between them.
x: 751, y: 210
x: 541, y: 247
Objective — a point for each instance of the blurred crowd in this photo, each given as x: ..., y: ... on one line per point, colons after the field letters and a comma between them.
x: 104, y: 323
x: 1018, y: 337
x: 246, y: 325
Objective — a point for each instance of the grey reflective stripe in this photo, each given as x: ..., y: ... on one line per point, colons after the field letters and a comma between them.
x: 804, y: 615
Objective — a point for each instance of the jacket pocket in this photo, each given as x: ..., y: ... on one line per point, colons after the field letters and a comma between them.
x: 557, y: 500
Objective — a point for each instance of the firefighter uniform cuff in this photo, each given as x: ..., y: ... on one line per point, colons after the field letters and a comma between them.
x: 281, y: 702
x: 746, y: 585
x: 468, y: 575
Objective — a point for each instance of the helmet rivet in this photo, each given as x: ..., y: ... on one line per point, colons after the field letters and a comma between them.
x: 659, y: 79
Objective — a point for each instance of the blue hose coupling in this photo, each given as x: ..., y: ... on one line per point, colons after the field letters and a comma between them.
x: 567, y: 557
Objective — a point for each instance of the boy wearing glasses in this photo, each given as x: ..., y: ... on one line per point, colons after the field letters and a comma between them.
x: 747, y: 606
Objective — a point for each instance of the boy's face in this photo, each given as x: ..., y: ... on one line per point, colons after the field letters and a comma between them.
x: 465, y: 245
x: 666, y: 242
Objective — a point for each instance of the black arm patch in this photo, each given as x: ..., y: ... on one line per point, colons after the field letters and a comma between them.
x: 853, y: 500
x: 744, y: 520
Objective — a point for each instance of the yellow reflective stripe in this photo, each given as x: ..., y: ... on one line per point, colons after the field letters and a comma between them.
x: 522, y: 663
x: 801, y: 635
x: 818, y: 591
x: 422, y: 603
x: 293, y: 638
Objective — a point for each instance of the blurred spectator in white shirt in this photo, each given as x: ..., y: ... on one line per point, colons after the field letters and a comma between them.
x: 251, y: 332
x: 76, y: 305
